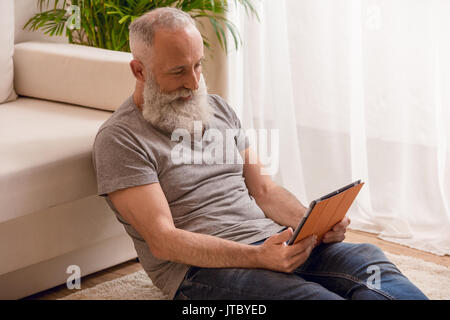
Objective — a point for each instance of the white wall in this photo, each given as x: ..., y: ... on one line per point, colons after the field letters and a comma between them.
x: 24, y: 10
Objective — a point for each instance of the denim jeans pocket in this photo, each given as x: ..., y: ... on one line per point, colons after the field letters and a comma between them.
x: 180, y: 295
x: 190, y: 274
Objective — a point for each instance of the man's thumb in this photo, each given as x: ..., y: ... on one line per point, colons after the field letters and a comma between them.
x: 285, y: 235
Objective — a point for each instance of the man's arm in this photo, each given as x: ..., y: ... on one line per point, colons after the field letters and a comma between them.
x: 277, y: 203
x: 146, y: 209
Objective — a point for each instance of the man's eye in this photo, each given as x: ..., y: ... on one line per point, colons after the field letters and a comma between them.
x: 178, y: 72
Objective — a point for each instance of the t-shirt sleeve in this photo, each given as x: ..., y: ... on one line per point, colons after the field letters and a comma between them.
x: 119, y: 162
x: 242, y: 141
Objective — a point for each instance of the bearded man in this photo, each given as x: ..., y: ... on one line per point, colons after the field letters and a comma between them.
x: 214, y: 231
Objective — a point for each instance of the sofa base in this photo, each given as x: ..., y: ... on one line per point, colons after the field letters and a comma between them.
x: 48, y: 274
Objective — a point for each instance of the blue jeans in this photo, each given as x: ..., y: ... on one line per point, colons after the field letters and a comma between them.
x: 332, y: 272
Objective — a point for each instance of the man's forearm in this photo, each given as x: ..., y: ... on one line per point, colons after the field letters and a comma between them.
x: 207, y: 251
x: 281, y: 206
x: 211, y: 252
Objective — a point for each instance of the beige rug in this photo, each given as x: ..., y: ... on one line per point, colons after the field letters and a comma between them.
x: 432, y: 279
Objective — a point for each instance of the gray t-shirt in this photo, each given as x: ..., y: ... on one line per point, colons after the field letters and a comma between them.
x: 208, y: 197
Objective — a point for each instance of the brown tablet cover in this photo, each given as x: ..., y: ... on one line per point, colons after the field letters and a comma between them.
x: 327, y: 213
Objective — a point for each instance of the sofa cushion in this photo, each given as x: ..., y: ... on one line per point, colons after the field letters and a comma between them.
x: 75, y: 74
x: 45, y: 154
x: 7, y: 49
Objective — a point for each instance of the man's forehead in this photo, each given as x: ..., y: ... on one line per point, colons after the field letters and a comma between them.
x: 174, y: 48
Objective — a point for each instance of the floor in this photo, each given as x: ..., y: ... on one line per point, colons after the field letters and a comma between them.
x: 133, y: 265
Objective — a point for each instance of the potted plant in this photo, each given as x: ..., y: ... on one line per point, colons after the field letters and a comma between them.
x: 104, y: 23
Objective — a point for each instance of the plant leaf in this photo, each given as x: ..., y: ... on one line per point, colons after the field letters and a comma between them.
x: 104, y: 23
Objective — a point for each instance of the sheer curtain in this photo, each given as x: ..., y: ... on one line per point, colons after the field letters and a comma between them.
x: 354, y: 90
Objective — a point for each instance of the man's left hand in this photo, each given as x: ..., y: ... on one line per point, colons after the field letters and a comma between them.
x: 337, y: 233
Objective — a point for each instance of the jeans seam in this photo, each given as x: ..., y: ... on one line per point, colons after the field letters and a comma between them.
x: 347, y: 277
x: 232, y: 291
x: 188, y: 279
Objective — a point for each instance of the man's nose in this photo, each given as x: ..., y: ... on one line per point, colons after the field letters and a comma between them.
x: 192, y: 81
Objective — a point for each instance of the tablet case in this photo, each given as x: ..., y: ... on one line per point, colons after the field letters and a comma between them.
x: 325, y: 213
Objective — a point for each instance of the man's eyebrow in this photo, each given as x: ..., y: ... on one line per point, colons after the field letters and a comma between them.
x: 176, y: 68
x: 202, y: 59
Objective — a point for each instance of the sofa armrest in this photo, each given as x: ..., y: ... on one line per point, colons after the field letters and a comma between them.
x: 75, y: 74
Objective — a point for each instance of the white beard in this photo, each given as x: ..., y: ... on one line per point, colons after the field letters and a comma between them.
x: 165, y: 112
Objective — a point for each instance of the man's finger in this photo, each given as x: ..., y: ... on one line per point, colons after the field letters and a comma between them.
x: 283, y: 236
x: 304, y: 244
x: 346, y: 221
x: 333, y: 237
x: 337, y: 228
x: 341, y: 225
x: 302, y: 256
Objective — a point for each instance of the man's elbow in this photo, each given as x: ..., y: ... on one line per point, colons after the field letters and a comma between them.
x: 159, y: 244
x: 264, y: 191
x: 158, y: 252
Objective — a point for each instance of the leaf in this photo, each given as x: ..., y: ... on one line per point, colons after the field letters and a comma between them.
x: 104, y: 23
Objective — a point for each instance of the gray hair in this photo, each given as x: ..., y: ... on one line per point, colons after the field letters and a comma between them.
x: 142, y: 30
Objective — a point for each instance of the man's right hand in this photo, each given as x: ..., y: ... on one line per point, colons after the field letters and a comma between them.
x: 278, y: 256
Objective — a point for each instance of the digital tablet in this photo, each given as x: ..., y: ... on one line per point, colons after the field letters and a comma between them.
x: 325, y: 212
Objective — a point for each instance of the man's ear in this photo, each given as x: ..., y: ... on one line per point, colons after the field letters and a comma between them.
x: 138, y: 70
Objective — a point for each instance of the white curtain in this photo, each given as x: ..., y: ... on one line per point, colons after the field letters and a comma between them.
x: 355, y: 90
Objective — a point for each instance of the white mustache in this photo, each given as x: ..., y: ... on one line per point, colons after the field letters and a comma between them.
x: 181, y: 93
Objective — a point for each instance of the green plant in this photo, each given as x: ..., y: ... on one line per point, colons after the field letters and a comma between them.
x: 104, y: 23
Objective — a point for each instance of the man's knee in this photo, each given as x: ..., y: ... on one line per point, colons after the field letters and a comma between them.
x: 369, y: 251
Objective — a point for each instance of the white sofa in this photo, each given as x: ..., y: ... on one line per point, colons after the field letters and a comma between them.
x: 50, y: 216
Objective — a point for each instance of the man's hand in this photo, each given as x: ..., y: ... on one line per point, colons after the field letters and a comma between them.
x: 278, y: 256
x: 337, y: 233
